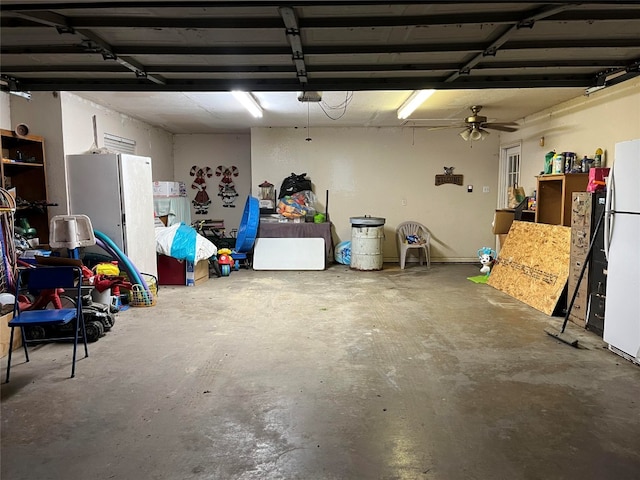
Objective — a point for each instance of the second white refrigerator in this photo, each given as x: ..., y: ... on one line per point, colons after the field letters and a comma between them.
x: 116, y: 192
x: 622, y: 248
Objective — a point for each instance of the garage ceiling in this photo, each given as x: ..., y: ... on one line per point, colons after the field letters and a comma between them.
x: 515, y: 58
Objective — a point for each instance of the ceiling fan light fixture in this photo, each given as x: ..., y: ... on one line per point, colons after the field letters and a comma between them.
x: 475, y: 134
x: 483, y: 133
x: 249, y: 102
x: 416, y: 99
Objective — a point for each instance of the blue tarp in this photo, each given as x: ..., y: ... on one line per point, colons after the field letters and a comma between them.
x: 184, y: 243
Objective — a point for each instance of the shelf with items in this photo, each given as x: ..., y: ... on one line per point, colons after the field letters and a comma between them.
x: 23, y: 169
x: 9, y: 162
x: 553, y: 202
x: 26, y: 149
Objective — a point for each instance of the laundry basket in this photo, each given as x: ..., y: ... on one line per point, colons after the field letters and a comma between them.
x: 139, y: 297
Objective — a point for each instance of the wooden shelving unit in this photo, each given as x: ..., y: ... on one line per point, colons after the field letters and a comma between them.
x: 553, y: 202
x: 23, y: 168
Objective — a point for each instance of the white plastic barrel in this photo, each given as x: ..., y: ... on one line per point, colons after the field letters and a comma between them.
x: 101, y: 297
x: 367, y: 237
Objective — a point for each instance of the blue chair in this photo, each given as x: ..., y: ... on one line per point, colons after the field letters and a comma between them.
x: 36, y: 280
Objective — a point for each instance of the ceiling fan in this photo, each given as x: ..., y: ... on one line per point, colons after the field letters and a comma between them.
x: 476, y: 125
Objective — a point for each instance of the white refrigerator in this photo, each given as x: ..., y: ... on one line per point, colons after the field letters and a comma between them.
x: 622, y: 248
x: 116, y: 192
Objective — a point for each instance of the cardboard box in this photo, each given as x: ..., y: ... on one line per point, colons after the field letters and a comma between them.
x: 5, y: 335
x: 168, y: 189
x: 502, y: 220
x: 197, y: 273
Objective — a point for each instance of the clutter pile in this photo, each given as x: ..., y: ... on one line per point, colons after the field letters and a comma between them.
x: 297, y: 205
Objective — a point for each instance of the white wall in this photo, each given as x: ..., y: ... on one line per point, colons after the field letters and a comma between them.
x: 580, y: 125
x: 150, y: 141
x: 5, y: 111
x: 212, y: 151
x: 366, y: 170
x: 43, y: 115
x: 65, y: 122
x: 369, y: 171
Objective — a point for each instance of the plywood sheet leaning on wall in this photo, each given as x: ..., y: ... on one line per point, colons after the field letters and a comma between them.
x: 533, y: 264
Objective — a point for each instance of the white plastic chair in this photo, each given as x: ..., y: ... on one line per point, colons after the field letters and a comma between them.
x: 406, y: 229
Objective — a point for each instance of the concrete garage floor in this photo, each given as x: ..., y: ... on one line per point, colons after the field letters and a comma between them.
x: 337, y: 374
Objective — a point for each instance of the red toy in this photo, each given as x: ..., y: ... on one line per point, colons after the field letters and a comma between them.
x: 225, y: 261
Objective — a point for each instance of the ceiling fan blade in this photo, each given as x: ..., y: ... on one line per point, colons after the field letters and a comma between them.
x: 513, y: 124
x: 442, y: 127
x: 500, y: 126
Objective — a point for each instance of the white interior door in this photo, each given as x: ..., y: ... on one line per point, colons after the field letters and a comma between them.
x: 509, y: 172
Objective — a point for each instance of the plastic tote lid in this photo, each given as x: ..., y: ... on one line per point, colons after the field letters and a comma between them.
x: 366, y: 221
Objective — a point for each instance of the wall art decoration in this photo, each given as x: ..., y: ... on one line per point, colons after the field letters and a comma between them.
x: 201, y: 201
x: 448, y: 177
x: 226, y: 187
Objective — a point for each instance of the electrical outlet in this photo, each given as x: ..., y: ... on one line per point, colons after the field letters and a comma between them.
x: 485, y: 189
x: 404, y: 202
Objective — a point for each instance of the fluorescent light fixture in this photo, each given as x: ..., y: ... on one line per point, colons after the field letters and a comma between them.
x: 248, y: 102
x: 416, y: 99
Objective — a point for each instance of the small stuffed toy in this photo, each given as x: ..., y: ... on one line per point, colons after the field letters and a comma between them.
x: 414, y: 239
x: 487, y: 257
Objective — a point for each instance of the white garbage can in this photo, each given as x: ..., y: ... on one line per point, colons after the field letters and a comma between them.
x: 367, y: 237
